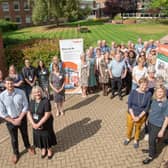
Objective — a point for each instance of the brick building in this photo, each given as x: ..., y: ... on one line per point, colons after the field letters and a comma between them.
x: 2, y: 62
x: 17, y: 11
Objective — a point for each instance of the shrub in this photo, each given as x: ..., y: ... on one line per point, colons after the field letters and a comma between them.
x: 7, y: 26
x: 34, y: 50
x: 117, y: 17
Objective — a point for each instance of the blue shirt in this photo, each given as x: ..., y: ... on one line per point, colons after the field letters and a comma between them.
x: 139, y: 102
x: 12, y: 104
x: 117, y: 67
x: 105, y: 49
x: 158, y: 112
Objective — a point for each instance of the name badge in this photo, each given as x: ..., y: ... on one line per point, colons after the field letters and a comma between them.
x: 30, y: 78
x: 35, y: 116
x: 60, y: 77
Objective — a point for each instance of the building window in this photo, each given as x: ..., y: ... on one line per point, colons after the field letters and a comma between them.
x: 5, y: 6
x: 16, y: 6
x: 26, y: 6
x: 18, y: 20
x: 7, y: 18
x: 28, y: 19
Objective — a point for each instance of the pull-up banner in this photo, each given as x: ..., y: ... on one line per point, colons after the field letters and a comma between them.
x: 162, y: 63
x: 71, y: 50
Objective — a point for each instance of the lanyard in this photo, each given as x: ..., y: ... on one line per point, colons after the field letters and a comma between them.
x: 36, y: 105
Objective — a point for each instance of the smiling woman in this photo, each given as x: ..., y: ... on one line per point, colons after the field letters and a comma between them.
x: 41, y: 120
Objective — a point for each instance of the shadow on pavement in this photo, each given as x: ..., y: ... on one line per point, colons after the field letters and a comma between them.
x: 82, y: 103
x: 75, y: 133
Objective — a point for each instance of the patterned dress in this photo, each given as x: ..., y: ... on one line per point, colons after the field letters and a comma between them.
x: 57, y: 82
x: 104, y: 67
x: 92, y: 78
x: 84, y: 74
x: 43, y: 78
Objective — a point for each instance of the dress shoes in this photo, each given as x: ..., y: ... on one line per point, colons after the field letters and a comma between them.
x: 147, y: 160
x: 112, y: 96
x: 50, y: 155
x: 43, y: 155
x: 145, y: 150
x: 31, y: 151
x: 15, y: 159
x: 120, y: 97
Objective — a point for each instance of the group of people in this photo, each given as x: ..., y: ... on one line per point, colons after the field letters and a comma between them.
x: 131, y: 67
x: 117, y: 66
x: 27, y: 95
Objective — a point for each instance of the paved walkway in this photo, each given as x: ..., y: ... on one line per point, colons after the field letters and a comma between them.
x: 90, y: 135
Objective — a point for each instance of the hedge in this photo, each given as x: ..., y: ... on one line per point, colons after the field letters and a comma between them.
x: 6, y: 26
x: 34, y: 50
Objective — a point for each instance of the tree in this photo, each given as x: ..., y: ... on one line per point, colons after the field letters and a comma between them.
x: 39, y: 13
x: 160, y: 4
x: 44, y: 10
x: 72, y: 9
x: 56, y: 9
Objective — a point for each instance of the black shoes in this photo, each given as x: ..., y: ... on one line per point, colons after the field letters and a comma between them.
x: 145, y: 150
x: 43, y: 156
x: 112, y: 96
x: 147, y: 160
x: 120, y: 97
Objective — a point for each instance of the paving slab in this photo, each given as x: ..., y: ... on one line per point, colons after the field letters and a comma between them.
x: 89, y: 135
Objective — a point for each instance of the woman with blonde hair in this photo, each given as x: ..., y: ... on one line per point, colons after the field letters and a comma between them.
x: 157, y: 120
x: 138, y: 72
x: 41, y: 119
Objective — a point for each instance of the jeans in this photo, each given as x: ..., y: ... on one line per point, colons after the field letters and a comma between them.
x: 116, y: 81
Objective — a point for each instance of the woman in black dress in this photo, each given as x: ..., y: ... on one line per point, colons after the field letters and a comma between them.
x: 43, y: 77
x: 41, y: 119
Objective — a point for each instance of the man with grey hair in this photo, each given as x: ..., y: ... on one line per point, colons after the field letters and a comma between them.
x: 117, y: 72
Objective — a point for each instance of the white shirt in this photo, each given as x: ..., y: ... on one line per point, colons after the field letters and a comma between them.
x: 138, y: 74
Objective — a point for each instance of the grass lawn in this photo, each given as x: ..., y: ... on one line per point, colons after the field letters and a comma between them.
x: 109, y: 32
